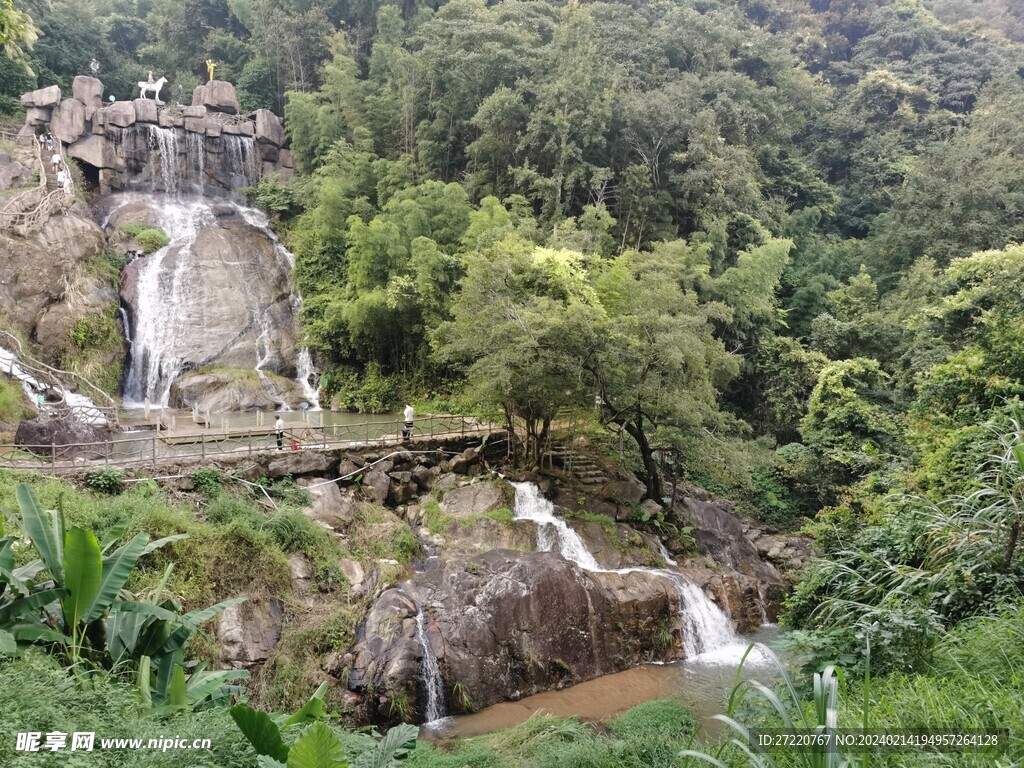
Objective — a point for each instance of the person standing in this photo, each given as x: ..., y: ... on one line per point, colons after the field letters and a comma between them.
x: 279, y: 428
x: 409, y: 413
x: 55, y: 161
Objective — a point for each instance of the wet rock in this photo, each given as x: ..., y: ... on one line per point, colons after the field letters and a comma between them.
x: 247, y: 633
x: 477, y: 498
x: 88, y: 90
x: 43, y: 97
x: 231, y: 391
x: 509, y: 624
x: 68, y: 120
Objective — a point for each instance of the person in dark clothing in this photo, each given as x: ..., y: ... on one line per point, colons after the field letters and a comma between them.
x: 279, y: 428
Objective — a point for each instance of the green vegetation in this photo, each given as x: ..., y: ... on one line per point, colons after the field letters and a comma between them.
x: 647, y: 736
x: 14, y: 405
x: 150, y: 238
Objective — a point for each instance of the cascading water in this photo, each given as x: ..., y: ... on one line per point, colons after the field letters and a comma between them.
x: 84, y: 408
x: 161, y: 303
x: 430, y: 674
x: 707, y: 631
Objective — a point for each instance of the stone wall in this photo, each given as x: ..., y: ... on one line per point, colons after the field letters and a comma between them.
x: 93, y: 131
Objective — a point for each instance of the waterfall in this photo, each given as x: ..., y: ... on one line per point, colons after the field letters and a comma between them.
x: 84, y: 408
x: 244, y: 157
x: 161, y: 304
x: 305, y: 372
x: 762, y: 604
x: 195, y: 156
x: 708, y: 632
x: 430, y: 674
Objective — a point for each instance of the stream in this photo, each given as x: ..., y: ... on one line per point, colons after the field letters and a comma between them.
x: 702, y: 682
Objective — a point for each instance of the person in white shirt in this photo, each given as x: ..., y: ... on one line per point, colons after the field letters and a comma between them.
x: 409, y: 413
x: 55, y: 160
x: 61, y: 175
x: 279, y: 428
x: 67, y: 184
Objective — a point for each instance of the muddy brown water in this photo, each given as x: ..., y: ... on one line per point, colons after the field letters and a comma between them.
x: 702, y: 686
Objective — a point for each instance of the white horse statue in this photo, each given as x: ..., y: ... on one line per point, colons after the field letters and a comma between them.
x: 145, y: 87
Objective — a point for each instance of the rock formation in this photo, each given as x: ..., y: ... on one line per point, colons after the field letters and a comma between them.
x: 133, y: 143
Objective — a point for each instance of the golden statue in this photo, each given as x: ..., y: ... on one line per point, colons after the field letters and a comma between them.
x: 209, y: 67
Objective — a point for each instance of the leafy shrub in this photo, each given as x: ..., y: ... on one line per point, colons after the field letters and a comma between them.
x: 107, y: 480
x: 373, y: 392
x: 150, y: 238
x: 95, y: 331
x: 207, y: 482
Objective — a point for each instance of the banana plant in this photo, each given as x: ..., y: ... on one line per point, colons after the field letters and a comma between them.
x: 317, y: 746
x: 84, y: 608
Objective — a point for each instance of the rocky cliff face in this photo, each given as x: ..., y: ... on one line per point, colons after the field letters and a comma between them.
x: 206, y: 146
x: 219, y: 296
x: 510, y: 624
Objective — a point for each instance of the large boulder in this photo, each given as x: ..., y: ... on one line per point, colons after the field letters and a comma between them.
x: 44, y: 97
x: 477, y: 498
x: 120, y: 114
x: 95, y: 150
x: 145, y: 111
x: 269, y: 129
x: 36, y: 117
x: 234, y: 309
x: 216, y: 96
x: 68, y: 120
x: 376, y: 486
x: 298, y: 463
x: 64, y: 438
x: 329, y: 504
x: 14, y: 174
x: 228, y: 390
x: 510, y: 624
x: 247, y: 633
x: 88, y: 90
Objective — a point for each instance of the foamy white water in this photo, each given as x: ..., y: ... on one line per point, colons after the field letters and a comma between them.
x: 430, y: 673
x: 708, y: 633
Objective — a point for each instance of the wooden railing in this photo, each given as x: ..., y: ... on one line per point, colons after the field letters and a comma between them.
x: 154, y: 446
x: 28, y: 211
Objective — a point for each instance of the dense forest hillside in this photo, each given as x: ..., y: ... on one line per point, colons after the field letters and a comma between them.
x: 770, y: 248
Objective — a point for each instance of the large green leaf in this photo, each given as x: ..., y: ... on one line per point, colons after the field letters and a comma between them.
x: 203, y: 685
x: 261, y: 731
x: 6, y: 558
x: 33, y: 633
x: 154, y: 545
x: 176, y: 691
x: 117, y: 567
x: 24, y: 608
x: 143, y: 682
x: 311, y: 710
x: 46, y: 532
x: 111, y: 537
x: 396, y: 745
x: 8, y: 645
x: 318, y: 748
x: 83, y: 572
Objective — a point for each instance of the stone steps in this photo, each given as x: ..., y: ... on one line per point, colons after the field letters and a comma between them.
x: 585, y: 470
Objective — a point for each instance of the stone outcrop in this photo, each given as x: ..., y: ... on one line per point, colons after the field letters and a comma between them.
x: 64, y: 435
x: 107, y: 136
x: 216, y: 96
x: 221, y: 391
x: 247, y: 633
x: 233, y: 274
x: 510, y: 624
x: 88, y: 90
x: 43, y: 97
x: 478, y: 498
x: 68, y: 120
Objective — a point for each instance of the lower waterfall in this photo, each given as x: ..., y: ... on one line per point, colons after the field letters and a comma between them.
x: 707, y: 632
x: 430, y: 674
